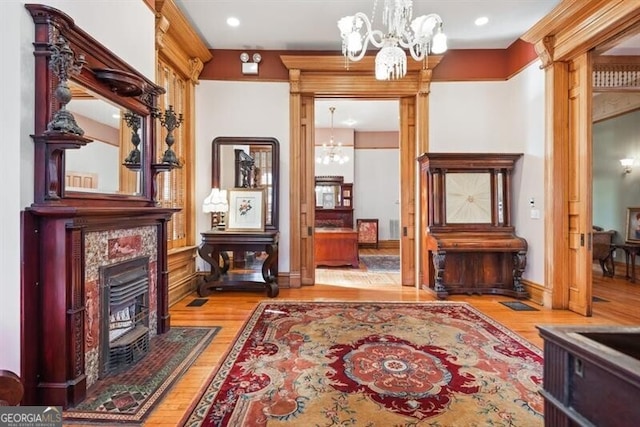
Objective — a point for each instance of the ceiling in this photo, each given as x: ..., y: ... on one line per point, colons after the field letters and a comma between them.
x: 312, y: 25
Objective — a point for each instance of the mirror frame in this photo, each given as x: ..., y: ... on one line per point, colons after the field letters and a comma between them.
x: 104, y: 74
x: 220, y: 141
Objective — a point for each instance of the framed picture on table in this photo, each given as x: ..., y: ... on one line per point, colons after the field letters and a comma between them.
x: 633, y: 225
x: 246, y: 209
x: 328, y: 201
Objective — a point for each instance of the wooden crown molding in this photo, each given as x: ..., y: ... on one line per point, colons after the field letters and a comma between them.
x: 178, y: 42
x: 324, y: 63
x: 327, y: 76
x: 614, y: 104
x: 573, y: 27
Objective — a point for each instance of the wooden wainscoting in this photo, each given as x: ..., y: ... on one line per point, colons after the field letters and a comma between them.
x: 182, y: 273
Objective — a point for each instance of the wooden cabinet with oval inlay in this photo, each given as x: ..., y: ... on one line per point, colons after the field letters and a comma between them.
x: 469, y: 240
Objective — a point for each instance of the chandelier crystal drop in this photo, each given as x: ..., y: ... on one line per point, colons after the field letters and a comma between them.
x: 421, y: 37
x: 332, y: 152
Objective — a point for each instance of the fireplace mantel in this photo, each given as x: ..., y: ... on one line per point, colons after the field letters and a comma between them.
x: 56, y: 266
x: 69, y: 232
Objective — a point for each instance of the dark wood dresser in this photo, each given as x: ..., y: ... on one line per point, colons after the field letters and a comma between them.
x: 469, y: 240
x: 336, y: 247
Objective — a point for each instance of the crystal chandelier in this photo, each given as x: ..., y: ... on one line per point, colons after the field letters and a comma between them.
x: 332, y: 152
x: 422, y: 36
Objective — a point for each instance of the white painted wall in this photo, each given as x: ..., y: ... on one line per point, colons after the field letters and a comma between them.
x: 496, y: 117
x: 11, y: 111
x: 99, y: 18
x: 377, y: 187
x: 527, y: 130
x: 225, y: 108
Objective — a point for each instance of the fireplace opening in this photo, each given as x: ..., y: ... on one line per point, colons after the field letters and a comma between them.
x: 124, y: 320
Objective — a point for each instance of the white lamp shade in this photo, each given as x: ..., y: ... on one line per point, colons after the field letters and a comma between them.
x: 216, y: 201
x: 207, y: 205
x: 439, y: 44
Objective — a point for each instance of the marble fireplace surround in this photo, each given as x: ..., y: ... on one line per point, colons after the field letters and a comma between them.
x: 105, y: 248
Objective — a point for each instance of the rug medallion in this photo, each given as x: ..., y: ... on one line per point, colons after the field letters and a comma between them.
x: 373, y: 364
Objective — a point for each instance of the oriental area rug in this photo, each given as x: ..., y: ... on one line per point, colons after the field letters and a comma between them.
x: 381, y: 263
x: 128, y: 397
x: 373, y: 364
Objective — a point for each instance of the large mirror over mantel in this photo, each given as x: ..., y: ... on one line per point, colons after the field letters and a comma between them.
x: 101, y: 166
x: 249, y: 162
x: 92, y: 112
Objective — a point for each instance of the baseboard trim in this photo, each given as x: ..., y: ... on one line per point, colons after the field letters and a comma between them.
x: 389, y: 244
x: 536, y: 291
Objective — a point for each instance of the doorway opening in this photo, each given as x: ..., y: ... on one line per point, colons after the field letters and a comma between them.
x: 364, y: 201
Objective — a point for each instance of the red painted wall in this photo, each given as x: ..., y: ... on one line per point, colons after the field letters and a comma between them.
x: 456, y: 65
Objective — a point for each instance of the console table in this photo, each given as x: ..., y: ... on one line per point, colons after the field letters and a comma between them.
x: 216, y: 244
x: 631, y: 250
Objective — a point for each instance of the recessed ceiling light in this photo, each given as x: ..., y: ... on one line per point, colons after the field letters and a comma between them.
x: 350, y: 122
x: 233, y: 22
x: 481, y: 21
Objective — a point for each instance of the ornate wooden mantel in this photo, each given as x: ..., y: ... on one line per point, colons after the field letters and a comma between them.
x: 55, y: 260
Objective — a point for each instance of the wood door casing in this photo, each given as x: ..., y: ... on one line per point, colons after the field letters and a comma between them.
x: 563, y: 38
x: 579, y: 188
x: 325, y: 76
x: 408, y: 166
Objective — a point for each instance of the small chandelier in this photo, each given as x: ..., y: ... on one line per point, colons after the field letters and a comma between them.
x: 332, y: 152
x: 423, y: 36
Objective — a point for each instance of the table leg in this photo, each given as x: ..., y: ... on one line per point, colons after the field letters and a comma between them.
x: 270, y: 270
x: 207, y: 283
x: 633, y: 265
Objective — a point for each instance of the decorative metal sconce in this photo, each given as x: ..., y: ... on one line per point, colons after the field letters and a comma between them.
x: 250, y: 67
x: 64, y: 64
x: 133, y: 122
x: 626, y: 164
x: 170, y: 121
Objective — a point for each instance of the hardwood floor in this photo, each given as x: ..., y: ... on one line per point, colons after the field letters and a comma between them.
x: 230, y: 310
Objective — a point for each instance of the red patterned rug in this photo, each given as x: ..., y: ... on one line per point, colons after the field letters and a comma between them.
x: 373, y: 364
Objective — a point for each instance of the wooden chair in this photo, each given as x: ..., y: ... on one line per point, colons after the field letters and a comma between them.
x: 11, y: 389
x: 603, y: 250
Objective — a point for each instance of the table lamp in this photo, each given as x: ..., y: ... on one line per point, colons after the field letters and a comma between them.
x: 217, y: 205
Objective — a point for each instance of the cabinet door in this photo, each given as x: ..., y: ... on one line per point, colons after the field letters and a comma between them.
x: 347, y: 195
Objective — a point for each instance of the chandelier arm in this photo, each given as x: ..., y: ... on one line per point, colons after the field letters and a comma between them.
x: 418, y: 57
x: 369, y: 37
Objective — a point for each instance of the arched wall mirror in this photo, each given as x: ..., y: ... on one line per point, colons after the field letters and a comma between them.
x: 228, y: 155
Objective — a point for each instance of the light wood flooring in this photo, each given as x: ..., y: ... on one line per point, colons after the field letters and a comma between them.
x: 230, y: 310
